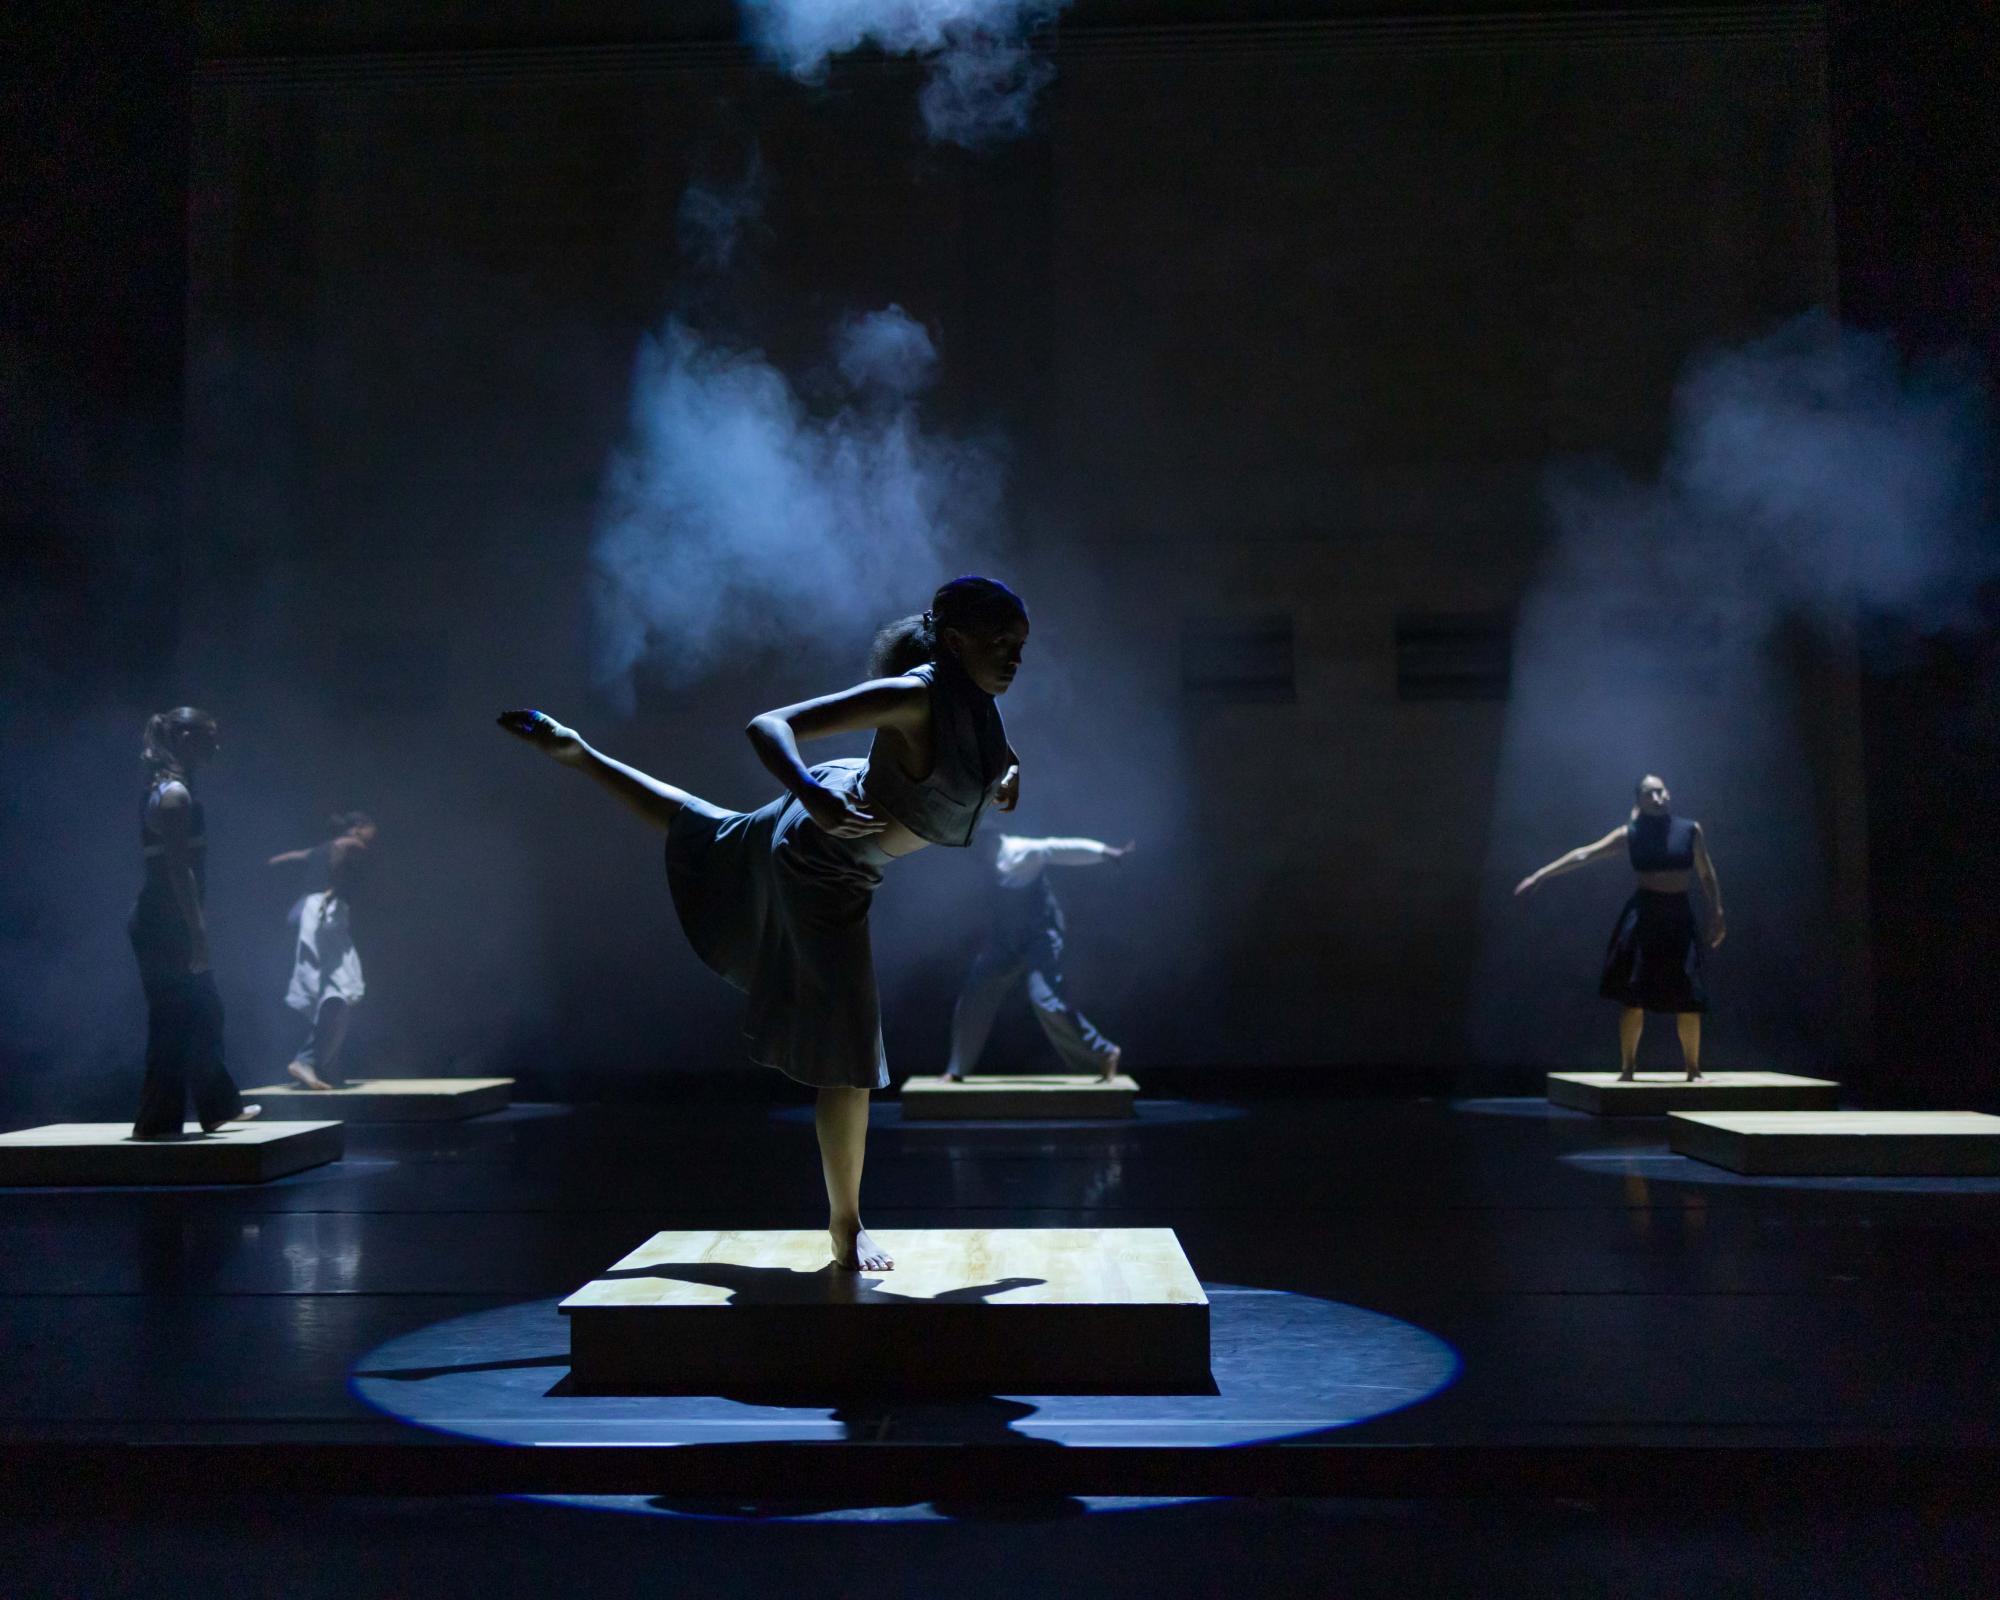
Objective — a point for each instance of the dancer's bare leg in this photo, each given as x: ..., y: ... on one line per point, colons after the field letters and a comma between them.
x: 1111, y: 1059
x: 659, y: 803
x: 1689, y: 1024
x: 1631, y: 1023
x: 841, y: 1120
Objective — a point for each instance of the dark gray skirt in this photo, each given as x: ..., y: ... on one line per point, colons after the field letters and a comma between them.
x: 779, y: 907
x: 1654, y: 961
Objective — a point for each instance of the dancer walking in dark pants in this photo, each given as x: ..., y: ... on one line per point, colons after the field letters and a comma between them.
x: 1026, y: 942
x: 170, y: 938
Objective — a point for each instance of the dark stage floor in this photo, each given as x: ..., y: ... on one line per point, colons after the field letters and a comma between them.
x: 1419, y: 1302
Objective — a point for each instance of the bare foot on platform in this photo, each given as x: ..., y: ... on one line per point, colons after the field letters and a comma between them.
x: 306, y: 1078
x: 1111, y: 1063
x: 1627, y: 1075
x: 855, y: 1251
x: 1694, y: 1075
x: 247, y: 1114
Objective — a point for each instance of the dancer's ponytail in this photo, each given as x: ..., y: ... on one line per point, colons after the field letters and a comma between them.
x: 163, y: 728
x: 905, y: 643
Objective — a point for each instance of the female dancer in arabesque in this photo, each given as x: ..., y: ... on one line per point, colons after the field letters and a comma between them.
x: 776, y: 900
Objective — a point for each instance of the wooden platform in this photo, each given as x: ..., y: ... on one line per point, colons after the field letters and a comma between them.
x: 1844, y: 1144
x: 1024, y: 1098
x: 1654, y: 1094
x: 391, y: 1099
x: 981, y: 1310
x: 91, y: 1153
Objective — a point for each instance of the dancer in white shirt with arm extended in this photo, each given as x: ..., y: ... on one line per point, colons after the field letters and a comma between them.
x: 1026, y: 942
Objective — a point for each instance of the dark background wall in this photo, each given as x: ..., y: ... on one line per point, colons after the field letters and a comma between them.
x: 1305, y: 354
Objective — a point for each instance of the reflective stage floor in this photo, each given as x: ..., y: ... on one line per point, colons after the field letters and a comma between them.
x: 1429, y: 1301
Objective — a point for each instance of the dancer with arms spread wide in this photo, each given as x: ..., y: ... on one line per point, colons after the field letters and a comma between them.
x: 776, y: 900
x: 1654, y: 960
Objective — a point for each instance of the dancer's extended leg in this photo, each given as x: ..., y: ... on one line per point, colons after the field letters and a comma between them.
x: 1631, y: 1023
x: 1077, y: 1041
x: 656, y: 801
x: 1689, y: 1024
x: 993, y: 974
x: 841, y: 1120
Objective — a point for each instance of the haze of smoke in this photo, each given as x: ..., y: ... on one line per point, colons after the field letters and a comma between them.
x: 983, y: 80
x: 714, y: 219
x: 1808, y: 472
x: 738, y: 523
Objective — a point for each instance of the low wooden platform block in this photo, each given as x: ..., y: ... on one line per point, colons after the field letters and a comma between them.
x: 983, y: 1310
x: 1024, y: 1098
x: 92, y: 1153
x: 1654, y: 1094
x: 392, y: 1099
x: 1842, y: 1144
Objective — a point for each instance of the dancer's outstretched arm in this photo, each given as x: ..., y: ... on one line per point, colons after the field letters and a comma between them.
x: 1710, y: 889
x: 657, y: 802
x: 898, y: 707
x: 1579, y: 857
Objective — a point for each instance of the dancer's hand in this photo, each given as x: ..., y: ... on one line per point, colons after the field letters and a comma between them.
x: 1527, y: 883
x: 541, y: 730
x: 837, y: 813
x: 198, y: 956
x: 1007, y: 795
x: 1717, y: 932
x: 1118, y: 852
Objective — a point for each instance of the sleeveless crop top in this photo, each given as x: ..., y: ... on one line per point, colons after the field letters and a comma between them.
x: 969, y: 743
x: 154, y: 848
x: 1660, y: 844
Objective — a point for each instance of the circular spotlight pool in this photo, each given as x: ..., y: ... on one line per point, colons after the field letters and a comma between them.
x: 1284, y: 1365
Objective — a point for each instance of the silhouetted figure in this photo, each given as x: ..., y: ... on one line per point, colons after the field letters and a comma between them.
x: 1654, y: 961
x: 776, y: 900
x: 326, y: 982
x: 1025, y: 941
x: 170, y: 937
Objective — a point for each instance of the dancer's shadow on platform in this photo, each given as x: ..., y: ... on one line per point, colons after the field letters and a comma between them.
x: 828, y: 1286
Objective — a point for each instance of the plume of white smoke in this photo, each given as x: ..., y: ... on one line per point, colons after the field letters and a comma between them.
x: 737, y: 520
x: 983, y: 76
x: 1808, y: 472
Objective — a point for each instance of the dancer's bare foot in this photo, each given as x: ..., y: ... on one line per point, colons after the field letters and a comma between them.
x: 855, y: 1251
x: 247, y: 1114
x: 1627, y: 1075
x: 1111, y: 1063
x: 1694, y: 1075
x: 306, y: 1078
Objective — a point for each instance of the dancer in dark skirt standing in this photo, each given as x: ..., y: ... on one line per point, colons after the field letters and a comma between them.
x: 776, y: 900
x: 1654, y: 962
